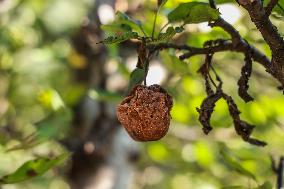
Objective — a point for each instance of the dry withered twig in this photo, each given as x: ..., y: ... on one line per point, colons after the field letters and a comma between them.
x: 242, y: 128
x: 243, y: 81
x: 206, y: 110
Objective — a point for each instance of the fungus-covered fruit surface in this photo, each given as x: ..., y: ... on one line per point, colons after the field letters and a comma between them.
x: 145, y: 112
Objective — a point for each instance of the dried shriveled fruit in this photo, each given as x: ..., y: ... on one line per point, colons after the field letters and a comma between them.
x: 145, y: 112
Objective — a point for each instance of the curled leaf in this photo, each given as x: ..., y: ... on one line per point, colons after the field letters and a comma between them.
x: 242, y: 128
x: 243, y: 81
x: 204, y: 71
x: 206, y: 110
x: 208, y: 104
x: 193, y: 12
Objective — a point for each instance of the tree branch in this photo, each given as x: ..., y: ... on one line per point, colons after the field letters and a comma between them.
x: 236, y: 37
x: 270, y: 6
x: 260, y: 17
x: 225, y: 45
x: 264, y: 25
x: 269, y: 32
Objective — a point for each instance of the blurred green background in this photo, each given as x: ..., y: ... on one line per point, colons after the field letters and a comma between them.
x: 43, y: 77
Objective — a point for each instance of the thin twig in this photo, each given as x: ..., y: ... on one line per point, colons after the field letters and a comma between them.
x: 270, y: 6
x: 144, y: 33
x: 235, y: 35
x: 215, y: 73
x: 164, y: 27
x: 154, y: 25
x: 212, y: 81
x: 212, y: 4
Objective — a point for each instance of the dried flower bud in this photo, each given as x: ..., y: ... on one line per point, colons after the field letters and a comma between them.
x: 145, y: 113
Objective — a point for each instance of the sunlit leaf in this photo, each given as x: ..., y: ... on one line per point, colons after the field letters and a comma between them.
x: 122, y: 23
x: 32, y: 168
x: 193, y: 12
x: 131, y: 22
x: 50, y: 98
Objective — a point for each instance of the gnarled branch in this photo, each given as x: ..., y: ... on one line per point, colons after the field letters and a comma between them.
x: 264, y: 25
x: 225, y: 45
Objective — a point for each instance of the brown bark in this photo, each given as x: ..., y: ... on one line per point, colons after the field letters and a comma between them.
x: 260, y: 17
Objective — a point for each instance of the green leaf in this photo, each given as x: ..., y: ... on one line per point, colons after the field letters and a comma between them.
x: 124, y: 18
x: 168, y: 35
x: 232, y: 162
x: 193, y: 12
x: 122, y: 23
x: 266, y: 185
x: 120, y: 38
x: 51, y: 99
x: 136, y: 77
x: 33, y: 168
x: 170, y: 32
